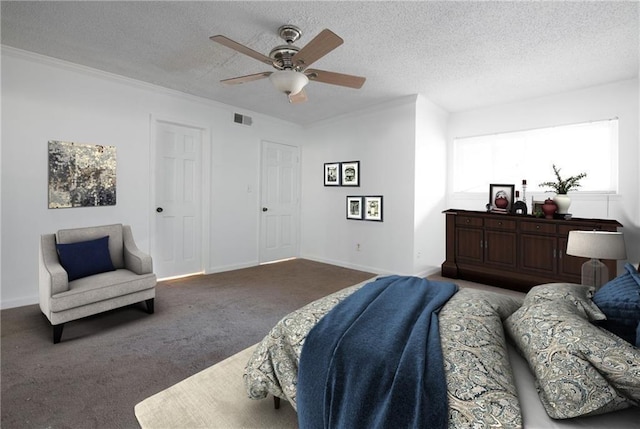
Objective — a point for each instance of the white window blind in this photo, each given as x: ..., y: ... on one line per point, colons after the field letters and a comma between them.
x: 508, y: 158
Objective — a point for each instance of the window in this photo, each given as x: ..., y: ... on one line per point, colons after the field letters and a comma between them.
x: 511, y: 157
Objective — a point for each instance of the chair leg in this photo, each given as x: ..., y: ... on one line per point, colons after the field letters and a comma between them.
x: 149, y: 303
x: 57, y: 333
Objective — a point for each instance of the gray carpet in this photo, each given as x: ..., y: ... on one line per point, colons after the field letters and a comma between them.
x: 108, y: 363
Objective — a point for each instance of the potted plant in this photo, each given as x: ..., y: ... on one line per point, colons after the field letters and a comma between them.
x: 562, y: 187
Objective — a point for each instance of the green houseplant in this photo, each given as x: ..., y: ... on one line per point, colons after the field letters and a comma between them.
x: 561, y: 187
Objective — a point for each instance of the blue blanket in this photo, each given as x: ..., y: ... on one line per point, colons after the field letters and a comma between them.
x: 375, y: 361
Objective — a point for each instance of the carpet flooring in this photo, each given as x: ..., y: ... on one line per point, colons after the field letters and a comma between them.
x: 109, y: 362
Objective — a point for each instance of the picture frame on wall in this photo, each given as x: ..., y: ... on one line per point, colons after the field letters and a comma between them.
x: 501, y: 198
x: 332, y: 174
x: 354, y: 207
x: 350, y: 173
x: 81, y: 175
x: 373, y: 208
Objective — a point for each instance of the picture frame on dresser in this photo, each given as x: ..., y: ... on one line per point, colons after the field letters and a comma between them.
x: 501, y: 197
x: 536, y: 207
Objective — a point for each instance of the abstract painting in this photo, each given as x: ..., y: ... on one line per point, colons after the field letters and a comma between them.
x: 81, y: 175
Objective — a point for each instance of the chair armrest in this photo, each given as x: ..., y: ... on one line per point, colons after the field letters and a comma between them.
x: 134, y: 259
x: 53, y: 278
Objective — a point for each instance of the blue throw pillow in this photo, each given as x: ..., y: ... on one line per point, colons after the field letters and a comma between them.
x: 619, y: 300
x: 85, y: 258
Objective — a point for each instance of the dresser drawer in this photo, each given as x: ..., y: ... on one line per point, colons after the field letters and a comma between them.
x: 563, y: 230
x: 500, y: 224
x: 541, y: 227
x: 468, y: 221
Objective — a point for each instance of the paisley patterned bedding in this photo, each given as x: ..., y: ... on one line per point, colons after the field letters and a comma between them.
x: 580, y: 369
x: 480, y: 383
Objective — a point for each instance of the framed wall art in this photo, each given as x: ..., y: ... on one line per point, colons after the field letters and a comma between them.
x: 350, y: 173
x: 332, y: 174
x: 501, y: 198
x: 354, y: 207
x: 373, y: 208
x: 81, y: 175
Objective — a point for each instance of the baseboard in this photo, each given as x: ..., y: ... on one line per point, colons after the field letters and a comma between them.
x: 351, y: 266
x: 223, y: 268
x: 375, y: 270
x: 19, y: 302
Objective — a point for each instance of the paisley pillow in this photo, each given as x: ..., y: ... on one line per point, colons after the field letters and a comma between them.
x: 580, y: 369
x: 579, y: 295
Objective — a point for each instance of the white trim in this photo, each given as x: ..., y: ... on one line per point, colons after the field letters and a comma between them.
x: 225, y: 268
x: 20, y: 302
x: 385, y: 105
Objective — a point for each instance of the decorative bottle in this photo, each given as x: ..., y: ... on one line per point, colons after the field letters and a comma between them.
x: 519, y: 206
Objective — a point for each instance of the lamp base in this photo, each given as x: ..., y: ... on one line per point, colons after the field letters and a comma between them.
x: 594, y: 273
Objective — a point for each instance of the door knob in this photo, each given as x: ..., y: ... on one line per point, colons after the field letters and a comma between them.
x: 264, y: 209
x: 159, y: 209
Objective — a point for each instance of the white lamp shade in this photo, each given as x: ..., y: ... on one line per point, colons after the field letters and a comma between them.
x: 288, y: 81
x: 597, y: 244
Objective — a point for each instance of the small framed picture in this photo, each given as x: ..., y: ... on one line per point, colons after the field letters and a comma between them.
x: 536, y: 207
x: 373, y: 208
x: 350, y: 173
x: 501, y: 198
x: 332, y: 174
x: 354, y: 208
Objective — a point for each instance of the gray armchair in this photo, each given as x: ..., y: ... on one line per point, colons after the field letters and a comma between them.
x: 84, y: 273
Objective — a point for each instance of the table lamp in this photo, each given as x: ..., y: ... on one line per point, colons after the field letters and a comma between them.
x: 596, y: 245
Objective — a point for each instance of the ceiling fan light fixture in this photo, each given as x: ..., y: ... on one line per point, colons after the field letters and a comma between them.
x: 289, y: 81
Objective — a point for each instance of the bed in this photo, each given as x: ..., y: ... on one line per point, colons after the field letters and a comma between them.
x: 541, y: 361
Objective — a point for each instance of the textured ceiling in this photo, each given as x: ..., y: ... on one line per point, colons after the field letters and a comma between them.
x: 460, y: 55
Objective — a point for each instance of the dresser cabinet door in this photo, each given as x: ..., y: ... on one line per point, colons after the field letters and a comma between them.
x: 538, y: 254
x: 500, y: 248
x: 469, y: 245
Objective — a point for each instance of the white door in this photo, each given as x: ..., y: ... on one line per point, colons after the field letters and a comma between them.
x: 280, y: 202
x: 178, y: 223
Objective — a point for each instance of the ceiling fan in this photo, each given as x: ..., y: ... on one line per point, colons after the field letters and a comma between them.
x: 291, y: 62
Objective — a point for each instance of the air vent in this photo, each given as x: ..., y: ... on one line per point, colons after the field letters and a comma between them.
x: 241, y: 119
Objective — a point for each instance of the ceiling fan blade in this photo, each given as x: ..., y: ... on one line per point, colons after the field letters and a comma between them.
x: 247, y: 78
x: 335, y: 78
x: 300, y: 97
x: 325, y: 42
x: 242, y: 49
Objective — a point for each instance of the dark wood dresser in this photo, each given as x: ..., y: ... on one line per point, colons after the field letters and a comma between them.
x: 515, y: 251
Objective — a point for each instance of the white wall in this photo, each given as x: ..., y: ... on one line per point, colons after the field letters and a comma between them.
x: 430, y: 186
x: 618, y: 99
x: 395, y: 144
x: 44, y: 99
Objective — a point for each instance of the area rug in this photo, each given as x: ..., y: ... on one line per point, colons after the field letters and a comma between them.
x: 214, y: 398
